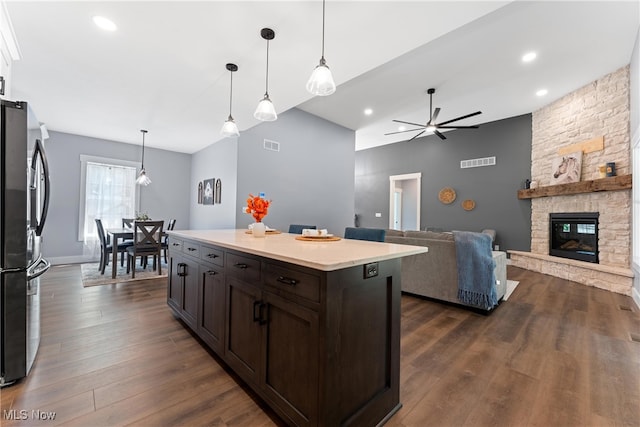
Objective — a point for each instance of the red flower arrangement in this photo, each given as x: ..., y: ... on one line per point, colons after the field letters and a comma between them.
x: 258, y: 207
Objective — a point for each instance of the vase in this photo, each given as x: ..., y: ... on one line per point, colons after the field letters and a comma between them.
x: 258, y: 229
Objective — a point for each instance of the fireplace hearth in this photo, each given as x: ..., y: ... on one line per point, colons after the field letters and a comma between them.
x: 574, y: 235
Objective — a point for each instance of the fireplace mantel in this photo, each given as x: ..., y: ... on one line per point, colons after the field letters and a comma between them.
x: 614, y: 183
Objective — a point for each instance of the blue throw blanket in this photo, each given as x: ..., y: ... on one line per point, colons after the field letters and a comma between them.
x: 476, y: 279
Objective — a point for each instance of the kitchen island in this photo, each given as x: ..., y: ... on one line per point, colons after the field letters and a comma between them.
x: 313, y: 327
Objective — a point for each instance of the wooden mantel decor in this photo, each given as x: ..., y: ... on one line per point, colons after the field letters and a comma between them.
x: 594, y: 144
x: 614, y: 183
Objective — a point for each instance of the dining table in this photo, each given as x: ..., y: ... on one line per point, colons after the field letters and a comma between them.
x: 116, y: 234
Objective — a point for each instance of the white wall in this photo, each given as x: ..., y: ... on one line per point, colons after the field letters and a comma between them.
x: 634, y: 129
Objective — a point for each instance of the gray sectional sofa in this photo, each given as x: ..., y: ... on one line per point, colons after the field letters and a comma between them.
x: 435, y: 274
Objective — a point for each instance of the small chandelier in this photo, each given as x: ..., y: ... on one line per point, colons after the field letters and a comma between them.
x: 321, y: 81
x: 229, y: 128
x: 265, y: 110
x: 143, y: 179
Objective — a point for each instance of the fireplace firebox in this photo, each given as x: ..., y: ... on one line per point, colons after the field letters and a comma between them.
x: 574, y: 235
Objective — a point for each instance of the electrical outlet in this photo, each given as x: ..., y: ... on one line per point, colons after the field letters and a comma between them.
x: 370, y: 270
x: 378, y: 215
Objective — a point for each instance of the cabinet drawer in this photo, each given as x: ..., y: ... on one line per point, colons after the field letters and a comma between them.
x: 212, y: 255
x: 191, y: 249
x: 175, y: 245
x: 245, y: 268
x: 293, y: 281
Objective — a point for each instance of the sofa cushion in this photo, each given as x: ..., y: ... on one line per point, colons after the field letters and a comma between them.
x: 429, y: 235
x: 394, y: 233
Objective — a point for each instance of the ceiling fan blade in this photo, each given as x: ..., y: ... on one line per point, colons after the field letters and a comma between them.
x: 457, y: 127
x: 415, y: 136
x: 402, y: 131
x: 460, y: 118
x: 435, y: 115
x: 409, y: 123
x: 439, y: 134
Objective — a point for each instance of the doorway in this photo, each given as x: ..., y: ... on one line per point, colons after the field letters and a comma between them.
x: 404, y: 201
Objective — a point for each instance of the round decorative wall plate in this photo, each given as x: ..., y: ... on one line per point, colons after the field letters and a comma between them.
x: 468, y: 205
x: 447, y: 195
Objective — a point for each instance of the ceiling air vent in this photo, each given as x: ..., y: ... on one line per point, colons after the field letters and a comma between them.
x: 271, y: 145
x: 476, y: 163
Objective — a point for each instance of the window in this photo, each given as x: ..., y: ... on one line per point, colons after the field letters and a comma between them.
x: 108, y: 191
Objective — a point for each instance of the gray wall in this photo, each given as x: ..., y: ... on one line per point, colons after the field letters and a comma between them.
x: 165, y: 198
x: 493, y: 188
x: 219, y: 160
x: 310, y: 180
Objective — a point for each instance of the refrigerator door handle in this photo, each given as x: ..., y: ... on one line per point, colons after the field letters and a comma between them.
x: 38, y: 268
x: 39, y: 151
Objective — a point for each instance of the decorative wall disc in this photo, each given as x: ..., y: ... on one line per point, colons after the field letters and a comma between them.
x: 468, y: 205
x: 447, y: 195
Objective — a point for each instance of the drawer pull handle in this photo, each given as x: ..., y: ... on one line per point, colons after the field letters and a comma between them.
x: 287, y: 281
x: 191, y: 249
x: 212, y: 273
x: 212, y: 255
x: 182, y: 269
x: 241, y: 265
x: 175, y: 244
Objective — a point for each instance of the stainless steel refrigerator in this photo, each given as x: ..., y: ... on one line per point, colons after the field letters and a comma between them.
x: 24, y: 201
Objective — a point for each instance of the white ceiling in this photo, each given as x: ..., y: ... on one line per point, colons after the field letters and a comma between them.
x: 164, y: 69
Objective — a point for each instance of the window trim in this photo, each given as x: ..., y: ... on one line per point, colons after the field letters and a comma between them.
x: 84, y: 159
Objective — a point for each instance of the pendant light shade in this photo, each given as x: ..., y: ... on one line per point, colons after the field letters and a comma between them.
x: 229, y: 128
x: 265, y: 110
x: 143, y: 179
x: 321, y: 81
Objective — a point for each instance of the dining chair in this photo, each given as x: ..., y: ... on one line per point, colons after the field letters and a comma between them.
x: 106, y: 248
x: 297, y: 228
x: 361, y: 233
x: 147, y: 241
x: 165, y: 239
x: 128, y: 222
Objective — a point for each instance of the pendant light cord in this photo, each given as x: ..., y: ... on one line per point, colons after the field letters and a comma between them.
x: 323, y: 1
x: 231, y: 94
x: 143, y: 132
x: 267, y: 77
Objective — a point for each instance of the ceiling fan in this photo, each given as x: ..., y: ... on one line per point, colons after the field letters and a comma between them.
x: 431, y: 125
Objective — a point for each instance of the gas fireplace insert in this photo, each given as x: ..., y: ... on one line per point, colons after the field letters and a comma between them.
x: 574, y: 235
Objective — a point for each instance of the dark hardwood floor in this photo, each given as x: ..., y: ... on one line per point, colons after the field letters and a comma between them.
x: 555, y: 354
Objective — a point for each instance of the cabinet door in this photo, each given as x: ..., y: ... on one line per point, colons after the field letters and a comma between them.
x: 174, y: 289
x: 244, y: 311
x: 211, y: 307
x: 190, y: 293
x: 290, y: 371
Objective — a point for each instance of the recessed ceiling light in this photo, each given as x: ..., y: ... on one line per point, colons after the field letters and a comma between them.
x: 368, y: 111
x: 542, y: 92
x: 104, y: 23
x: 528, y: 57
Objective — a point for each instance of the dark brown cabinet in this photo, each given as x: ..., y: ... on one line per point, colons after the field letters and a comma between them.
x: 320, y: 347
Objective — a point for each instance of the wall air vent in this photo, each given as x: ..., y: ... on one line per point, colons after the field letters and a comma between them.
x: 271, y: 145
x: 476, y: 163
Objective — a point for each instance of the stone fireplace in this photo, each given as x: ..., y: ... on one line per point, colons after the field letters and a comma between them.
x: 600, y: 108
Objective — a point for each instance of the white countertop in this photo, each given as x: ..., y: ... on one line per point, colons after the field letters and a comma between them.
x: 324, y: 256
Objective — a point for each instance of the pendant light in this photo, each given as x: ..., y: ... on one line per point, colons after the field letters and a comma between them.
x: 143, y: 179
x: 321, y: 81
x: 265, y: 110
x: 229, y: 128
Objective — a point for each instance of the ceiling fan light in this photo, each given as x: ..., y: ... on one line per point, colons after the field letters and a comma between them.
x: 143, y: 179
x: 321, y: 81
x: 265, y: 111
x: 229, y: 128
x: 431, y: 128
